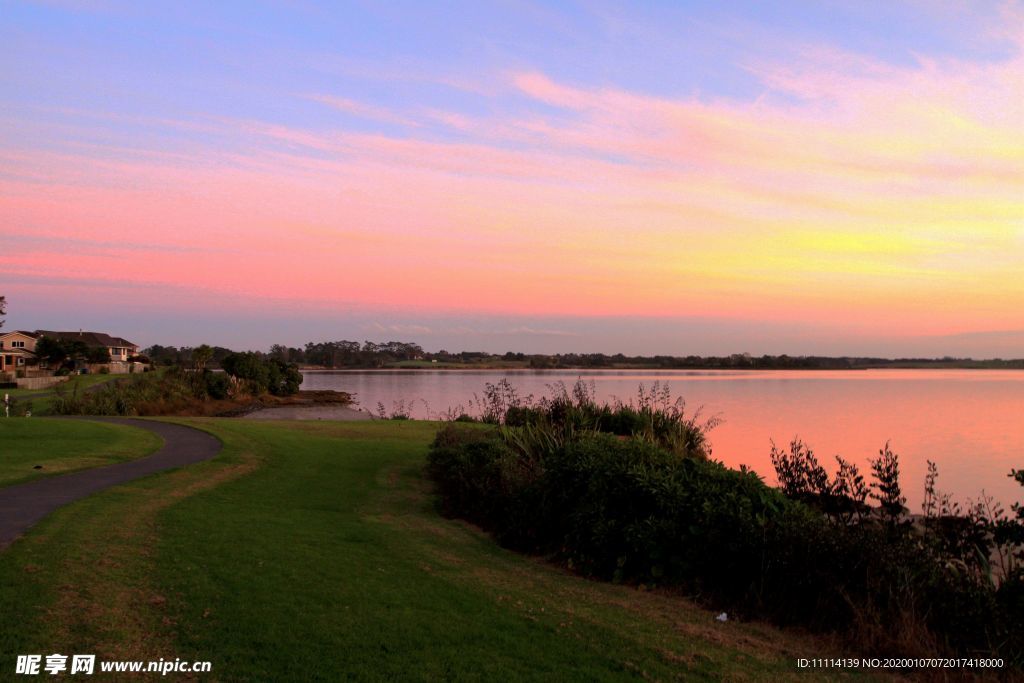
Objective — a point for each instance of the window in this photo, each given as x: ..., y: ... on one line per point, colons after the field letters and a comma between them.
x: 17, y: 344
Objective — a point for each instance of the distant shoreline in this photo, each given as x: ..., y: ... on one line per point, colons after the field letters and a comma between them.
x: 521, y: 368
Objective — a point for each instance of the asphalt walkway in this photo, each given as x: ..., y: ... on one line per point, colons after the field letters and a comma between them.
x: 22, y: 505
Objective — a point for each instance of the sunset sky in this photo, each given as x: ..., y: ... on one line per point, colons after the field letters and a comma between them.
x: 665, y: 177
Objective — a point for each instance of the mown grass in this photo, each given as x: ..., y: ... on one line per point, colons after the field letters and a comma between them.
x: 313, y: 551
x: 61, y: 446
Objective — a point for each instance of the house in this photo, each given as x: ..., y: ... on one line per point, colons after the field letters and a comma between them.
x: 16, y: 349
x: 120, y: 349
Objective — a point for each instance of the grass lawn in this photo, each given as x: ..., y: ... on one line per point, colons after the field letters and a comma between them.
x: 312, y: 551
x: 62, y: 446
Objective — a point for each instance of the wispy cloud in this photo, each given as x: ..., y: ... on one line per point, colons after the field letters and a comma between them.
x: 406, y: 329
x: 541, y: 333
x: 364, y: 111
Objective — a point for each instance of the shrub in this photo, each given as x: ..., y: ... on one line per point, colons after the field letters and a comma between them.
x: 217, y: 384
x: 632, y: 510
x: 465, y: 465
x: 802, y: 478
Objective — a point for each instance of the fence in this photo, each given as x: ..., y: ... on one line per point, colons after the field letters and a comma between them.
x: 39, y: 382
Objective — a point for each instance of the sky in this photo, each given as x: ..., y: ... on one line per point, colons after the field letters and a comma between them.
x: 833, y: 177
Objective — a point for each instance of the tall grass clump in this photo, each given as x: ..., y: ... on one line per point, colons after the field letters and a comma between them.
x: 568, y: 412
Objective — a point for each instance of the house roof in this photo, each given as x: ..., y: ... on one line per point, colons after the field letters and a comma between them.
x: 33, y: 335
x: 89, y: 338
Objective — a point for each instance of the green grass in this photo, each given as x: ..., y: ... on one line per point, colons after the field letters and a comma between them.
x: 77, y: 381
x: 86, y: 381
x: 312, y: 551
x: 40, y: 399
x: 62, y: 446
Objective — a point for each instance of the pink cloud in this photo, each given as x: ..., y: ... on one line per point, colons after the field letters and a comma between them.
x: 881, y: 196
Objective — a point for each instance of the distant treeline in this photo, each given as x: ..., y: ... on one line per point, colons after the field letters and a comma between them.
x: 352, y: 354
x: 740, y: 361
x: 173, y: 355
x: 339, y: 354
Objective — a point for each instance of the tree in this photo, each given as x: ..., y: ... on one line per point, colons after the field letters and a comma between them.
x: 162, y: 355
x: 200, y: 377
x: 249, y: 368
x: 98, y: 354
x: 279, y: 352
x: 263, y: 374
x: 50, y: 350
x: 3, y: 309
x: 201, y: 355
x: 56, y: 352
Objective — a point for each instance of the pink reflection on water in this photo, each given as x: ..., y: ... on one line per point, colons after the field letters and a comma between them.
x: 968, y: 422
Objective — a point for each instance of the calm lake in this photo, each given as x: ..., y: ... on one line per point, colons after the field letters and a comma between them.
x: 970, y: 422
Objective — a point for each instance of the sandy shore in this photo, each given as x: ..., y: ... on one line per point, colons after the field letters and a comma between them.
x: 309, y: 412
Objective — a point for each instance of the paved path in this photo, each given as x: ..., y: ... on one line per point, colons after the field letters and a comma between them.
x: 23, y: 505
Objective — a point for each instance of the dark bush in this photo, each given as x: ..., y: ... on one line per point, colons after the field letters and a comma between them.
x: 217, y: 384
x: 628, y: 509
x: 519, y: 416
x: 464, y: 463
